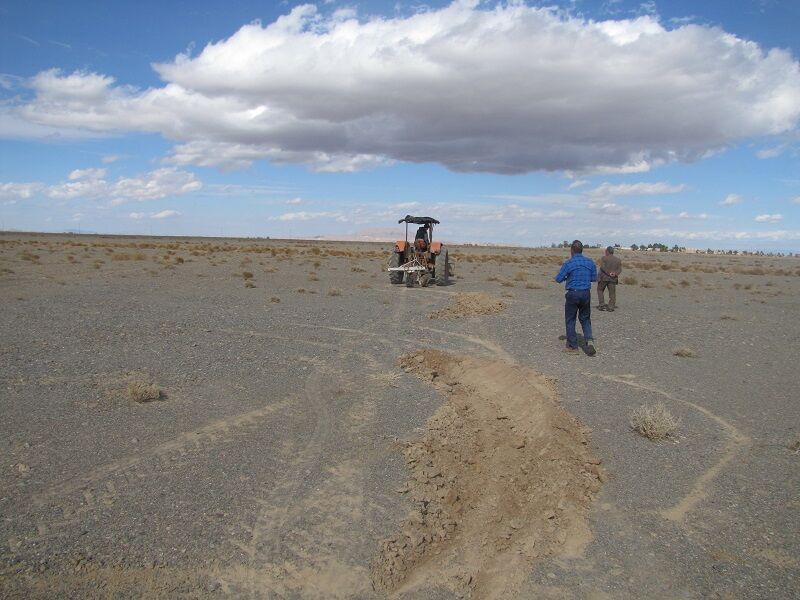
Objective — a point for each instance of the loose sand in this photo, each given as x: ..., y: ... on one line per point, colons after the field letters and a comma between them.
x: 503, y: 475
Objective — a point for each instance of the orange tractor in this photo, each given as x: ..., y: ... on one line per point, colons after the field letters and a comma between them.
x: 423, y: 261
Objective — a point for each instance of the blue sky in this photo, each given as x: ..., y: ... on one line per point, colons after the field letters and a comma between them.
x: 519, y: 123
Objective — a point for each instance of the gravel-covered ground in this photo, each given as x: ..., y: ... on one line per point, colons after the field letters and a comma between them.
x: 269, y: 467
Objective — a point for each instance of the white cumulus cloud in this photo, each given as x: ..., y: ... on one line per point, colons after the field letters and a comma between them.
x: 636, y: 189
x: 769, y: 218
x: 309, y: 216
x: 87, y: 174
x: 731, y: 199
x: 19, y: 190
x: 164, y: 214
x: 89, y: 184
x: 505, y: 88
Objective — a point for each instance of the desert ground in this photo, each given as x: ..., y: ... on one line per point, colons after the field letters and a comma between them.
x: 305, y: 429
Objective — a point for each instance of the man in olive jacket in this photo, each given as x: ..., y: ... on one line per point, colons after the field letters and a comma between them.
x: 609, y: 267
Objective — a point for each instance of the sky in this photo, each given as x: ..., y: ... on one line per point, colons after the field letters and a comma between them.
x: 520, y: 123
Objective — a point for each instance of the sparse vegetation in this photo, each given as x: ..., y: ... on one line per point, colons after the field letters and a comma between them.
x: 653, y: 422
x: 139, y: 391
x: 247, y: 275
x: 629, y: 280
x: 684, y: 352
x: 334, y: 292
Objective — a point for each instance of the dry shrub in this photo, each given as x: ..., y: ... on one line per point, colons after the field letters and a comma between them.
x: 653, y: 422
x: 684, y: 352
x: 247, y: 275
x: 301, y: 291
x: 533, y: 286
x: 727, y: 317
x: 334, y: 292
x: 358, y: 269
x: 647, y: 284
x: 313, y: 277
x: 139, y: 391
x: 507, y: 284
x: 275, y: 299
x: 520, y: 276
x: 685, y: 283
x: 629, y: 280
x: 249, y: 284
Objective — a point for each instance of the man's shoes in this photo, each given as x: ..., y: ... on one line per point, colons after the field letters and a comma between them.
x: 590, y: 349
x: 602, y: 307
x: 610, y: 309
x: 570, y: 350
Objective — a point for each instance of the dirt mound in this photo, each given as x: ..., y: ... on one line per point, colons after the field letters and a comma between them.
x: 470, y: 304
x: 502, y: 476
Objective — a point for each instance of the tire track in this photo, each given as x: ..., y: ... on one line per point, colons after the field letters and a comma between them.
x: 305, y: 525
x: 102, y: 485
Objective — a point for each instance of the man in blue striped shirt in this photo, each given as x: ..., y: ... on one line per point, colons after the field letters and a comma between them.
x: 579, y: 272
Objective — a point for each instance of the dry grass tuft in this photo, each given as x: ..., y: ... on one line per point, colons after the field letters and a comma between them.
x: 653, y: 422
x: 140, y: 392
x: 247, y: 275
x: 629, y: 280
x: 533, y: 286
x: 334, y: 292
x: 728, y: 317
x: 249, y: 284
x: 647, y: 284
x: 275, y: 299
x: 520, y: 276
x: 684, y: 352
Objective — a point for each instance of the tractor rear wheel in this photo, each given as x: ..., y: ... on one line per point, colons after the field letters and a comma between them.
x: 441, y: 269
x: 394, y: 261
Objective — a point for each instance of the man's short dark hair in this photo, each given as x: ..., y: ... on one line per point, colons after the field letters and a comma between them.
x: 610, y: 249
x: 577, y: 247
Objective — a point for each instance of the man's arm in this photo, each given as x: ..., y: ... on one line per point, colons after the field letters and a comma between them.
x: 562, y: 274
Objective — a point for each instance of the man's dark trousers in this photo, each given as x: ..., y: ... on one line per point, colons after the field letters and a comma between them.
x: 578, y: 303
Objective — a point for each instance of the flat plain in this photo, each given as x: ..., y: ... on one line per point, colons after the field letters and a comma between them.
x: 317, y: 432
